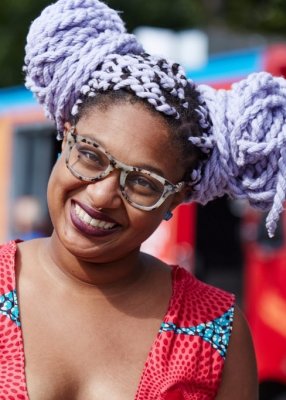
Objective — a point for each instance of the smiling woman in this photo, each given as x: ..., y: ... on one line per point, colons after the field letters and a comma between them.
x: 138, y: 139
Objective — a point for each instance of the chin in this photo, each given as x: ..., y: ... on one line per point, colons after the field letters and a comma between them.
x: 85, y: 249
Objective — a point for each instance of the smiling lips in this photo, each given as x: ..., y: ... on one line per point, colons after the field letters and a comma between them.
x: 91, y: 222
x: 85, y: 217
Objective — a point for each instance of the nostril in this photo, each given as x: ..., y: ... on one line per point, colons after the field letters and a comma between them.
x: 105, y: 193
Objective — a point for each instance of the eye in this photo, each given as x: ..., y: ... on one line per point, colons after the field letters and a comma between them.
x: 139, y: 180
x: 144, y: 183
x: 91, y: 156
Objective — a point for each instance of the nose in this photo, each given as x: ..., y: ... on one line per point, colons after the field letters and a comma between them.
x: 105, y: 193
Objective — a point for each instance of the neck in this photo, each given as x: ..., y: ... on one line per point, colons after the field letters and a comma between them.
x: 85, y: 275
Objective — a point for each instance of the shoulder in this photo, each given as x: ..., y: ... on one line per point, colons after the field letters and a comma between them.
x: 9, y: 251
x: 216, y: 308
x: 239, y: 380
x: 203, y: 301
x: 11, y: 254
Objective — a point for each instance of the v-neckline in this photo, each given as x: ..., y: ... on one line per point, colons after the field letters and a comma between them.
x: 153, y: 345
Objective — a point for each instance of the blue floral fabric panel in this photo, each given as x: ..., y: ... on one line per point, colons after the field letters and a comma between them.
x: 216, y: 332
x: 9, y: 306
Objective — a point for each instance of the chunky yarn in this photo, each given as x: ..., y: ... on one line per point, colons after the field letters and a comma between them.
x: 248, y: 145
x: 78, y: 48
x: 65, y: 45
x: 145, y: 76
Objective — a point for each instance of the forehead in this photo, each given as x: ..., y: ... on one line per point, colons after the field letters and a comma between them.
x: 134, y: 135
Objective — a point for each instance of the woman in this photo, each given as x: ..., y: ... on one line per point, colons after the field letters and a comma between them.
x: 98, y: 318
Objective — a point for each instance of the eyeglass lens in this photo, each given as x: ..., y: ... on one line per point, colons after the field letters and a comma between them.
x: 88, y: 161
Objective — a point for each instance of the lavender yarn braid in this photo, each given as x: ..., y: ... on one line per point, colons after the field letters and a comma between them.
x: 65, y: 45
x: 248, y: 142
x: 78, y: 48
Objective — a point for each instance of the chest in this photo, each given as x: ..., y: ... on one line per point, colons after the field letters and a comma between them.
x: 79, y: 349
x: 80, y: 352
x: 74, y: 351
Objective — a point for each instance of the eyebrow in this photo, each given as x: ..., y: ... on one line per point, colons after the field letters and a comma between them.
x: 147, y: 167
x: 142, y: 166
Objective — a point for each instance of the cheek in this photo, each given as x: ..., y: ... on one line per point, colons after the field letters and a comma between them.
x: 53, y: 192
x: 60, y: 183
x: 145, y: 223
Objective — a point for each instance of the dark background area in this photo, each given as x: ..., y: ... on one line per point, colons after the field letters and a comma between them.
x: 232, y: 22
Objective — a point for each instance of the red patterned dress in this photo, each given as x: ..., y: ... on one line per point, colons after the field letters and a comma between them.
x: 186, y: 359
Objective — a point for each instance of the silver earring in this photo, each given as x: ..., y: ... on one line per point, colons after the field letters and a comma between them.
x: 168, y: 216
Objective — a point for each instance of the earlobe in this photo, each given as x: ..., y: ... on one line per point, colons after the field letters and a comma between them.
x: 178, y: 199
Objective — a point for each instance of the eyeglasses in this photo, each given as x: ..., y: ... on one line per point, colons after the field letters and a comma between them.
x: 89, y: 162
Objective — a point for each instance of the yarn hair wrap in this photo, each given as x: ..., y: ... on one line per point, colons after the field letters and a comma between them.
x: 247, y: 145
x: 78, y: 48
x: 65, y: 45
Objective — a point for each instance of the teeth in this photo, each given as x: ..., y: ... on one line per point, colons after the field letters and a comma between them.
x: 92, y: 221
x: 87, y: 218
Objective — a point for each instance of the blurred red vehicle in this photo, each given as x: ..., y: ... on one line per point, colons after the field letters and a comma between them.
x: 265, y: 302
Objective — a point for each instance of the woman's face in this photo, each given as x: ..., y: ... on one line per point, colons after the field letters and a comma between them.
x: 136, y: 137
